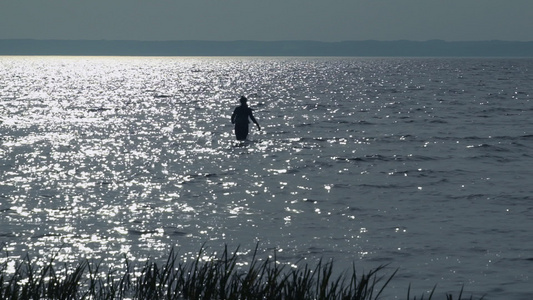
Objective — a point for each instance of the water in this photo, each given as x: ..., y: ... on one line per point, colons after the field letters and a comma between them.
x: 421, y: 164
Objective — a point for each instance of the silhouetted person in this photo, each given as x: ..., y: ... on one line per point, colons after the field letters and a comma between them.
x: 241, y: 118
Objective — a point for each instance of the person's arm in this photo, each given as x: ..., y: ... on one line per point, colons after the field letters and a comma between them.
x: 254, y: 120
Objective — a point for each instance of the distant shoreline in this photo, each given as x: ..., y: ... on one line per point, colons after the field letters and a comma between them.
x: 434, y: 48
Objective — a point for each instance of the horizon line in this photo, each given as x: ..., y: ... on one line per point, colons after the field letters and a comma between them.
x: 264, y: 41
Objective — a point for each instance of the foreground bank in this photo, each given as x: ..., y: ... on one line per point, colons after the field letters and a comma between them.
x: 224, y: 276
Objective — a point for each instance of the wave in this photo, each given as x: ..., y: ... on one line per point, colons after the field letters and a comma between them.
x: 383, y: 158
x: 142, y: 232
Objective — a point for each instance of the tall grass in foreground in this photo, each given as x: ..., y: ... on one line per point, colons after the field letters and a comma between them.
x: 219, y: 277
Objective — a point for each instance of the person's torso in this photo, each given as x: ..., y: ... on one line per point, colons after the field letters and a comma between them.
x: 241, y: 115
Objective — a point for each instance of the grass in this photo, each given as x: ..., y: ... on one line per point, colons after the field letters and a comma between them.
x: 219, y: 277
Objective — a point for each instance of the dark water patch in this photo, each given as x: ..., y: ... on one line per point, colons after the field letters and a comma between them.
x: 368, y: 158
x: 341, y: 185
x: 98, y: 109
x: 430, y: 173
x: 380, y: 186
x: 48, y: 196
x: 351, y: 209
x: 469, y: 197
x: 516, y: 200
x: 516, y: 260
x: 315, y: 250
x: 162, y: 96
x: 455, y: 138
x: 381, y: 259
x: 478, y: 249
x: 303, y: 125
x: 491, y: 158
x: 364, y: 122
x: 502, y: 110
x: 516, y: 144
x: 312, y: 201
x: 142, y: 232
x: 341, y: 122
x: 348, y: 159
x: 426, y: 158
x: 437, y: 121
x: 421, y: 173
x: 383, y: 158
x: 180, y: 233
x: 489, y: 147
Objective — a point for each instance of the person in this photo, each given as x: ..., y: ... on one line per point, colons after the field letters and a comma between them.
x: 241, y: 118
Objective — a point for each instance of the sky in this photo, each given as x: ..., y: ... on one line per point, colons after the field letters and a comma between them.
x: 267, y: 20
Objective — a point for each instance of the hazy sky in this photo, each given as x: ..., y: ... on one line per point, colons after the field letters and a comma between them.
x: 267, y: 20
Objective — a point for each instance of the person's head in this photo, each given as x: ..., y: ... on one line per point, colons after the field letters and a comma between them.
x: 243, y: 100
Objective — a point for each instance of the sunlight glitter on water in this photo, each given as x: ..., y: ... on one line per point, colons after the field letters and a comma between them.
x: 111, y: 156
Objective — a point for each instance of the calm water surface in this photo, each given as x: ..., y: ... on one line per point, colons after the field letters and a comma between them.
x: 421, y: 164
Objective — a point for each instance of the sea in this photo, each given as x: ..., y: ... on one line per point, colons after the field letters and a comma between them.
x: 421, y: 165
